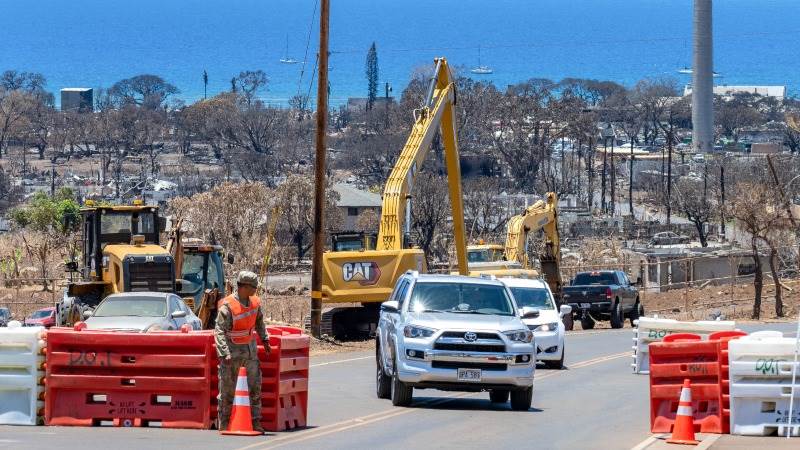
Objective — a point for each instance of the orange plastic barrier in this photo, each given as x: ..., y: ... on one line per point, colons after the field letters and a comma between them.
x: 128, y: 379
x: 284, y: 380
x: 724, y: 337
x: 686, y: 356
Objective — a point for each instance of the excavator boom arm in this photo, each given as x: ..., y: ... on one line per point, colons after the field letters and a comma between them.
x: 541, y: 215
x: 436, y: 113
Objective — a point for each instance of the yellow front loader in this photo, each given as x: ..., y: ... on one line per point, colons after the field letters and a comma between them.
x: 367, y: 277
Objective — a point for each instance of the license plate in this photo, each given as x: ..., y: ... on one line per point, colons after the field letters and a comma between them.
x: 469, y: 374
x: 586, y: 305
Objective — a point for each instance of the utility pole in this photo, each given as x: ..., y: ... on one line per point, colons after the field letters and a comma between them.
x: 205, y: 84
x: 669, y: 170
x: 630, y: 185
x: 319, y: 170
x: 603, y: 181
x: 387, y: 89
x: 722, y: 196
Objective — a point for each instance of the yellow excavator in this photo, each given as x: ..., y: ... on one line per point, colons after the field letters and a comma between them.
x: 367, y: 276
x: 512, y: 260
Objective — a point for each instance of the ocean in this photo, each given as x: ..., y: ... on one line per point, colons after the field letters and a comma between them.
x: 93, y: 43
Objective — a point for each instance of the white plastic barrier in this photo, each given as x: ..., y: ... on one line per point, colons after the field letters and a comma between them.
x: 20, y: 374
x: 651, y: 329
x: 761, y: 385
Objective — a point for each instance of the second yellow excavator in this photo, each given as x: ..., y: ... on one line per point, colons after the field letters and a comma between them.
x: 512, y: 260
x: 367, y: 276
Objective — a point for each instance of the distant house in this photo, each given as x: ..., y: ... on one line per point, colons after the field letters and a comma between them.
x: 353, y: 202
x: 77, y: 99
x: 356, y: 104
x: 779, y: 92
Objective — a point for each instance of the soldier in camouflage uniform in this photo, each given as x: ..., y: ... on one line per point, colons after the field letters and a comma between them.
x: 239, y: 315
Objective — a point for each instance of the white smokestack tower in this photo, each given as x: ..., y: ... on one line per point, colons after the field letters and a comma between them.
x: 703, y: 79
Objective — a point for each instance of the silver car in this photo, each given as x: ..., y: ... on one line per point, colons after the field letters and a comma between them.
x: 141, y: 312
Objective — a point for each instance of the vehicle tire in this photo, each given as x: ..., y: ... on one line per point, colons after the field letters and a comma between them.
x: 638, y: 311
x: 498, y: 396
x: 587, y: 323
x: 383, y: 382
x: 569, y: 322
x: 557, y: 365
x: 522, y: 400
x: 617, y: 316
x: 401, y: 394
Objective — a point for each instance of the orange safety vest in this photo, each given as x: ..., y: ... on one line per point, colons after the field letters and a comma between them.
x: 244, y: 319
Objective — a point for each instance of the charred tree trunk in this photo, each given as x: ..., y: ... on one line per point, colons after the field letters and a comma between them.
x: 773, y: 257
x: 758, y: 281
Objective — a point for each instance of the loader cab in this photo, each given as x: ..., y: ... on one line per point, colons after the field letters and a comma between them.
x: 201, y: 270
x: 121, y: 249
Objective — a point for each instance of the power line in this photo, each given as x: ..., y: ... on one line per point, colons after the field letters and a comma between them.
x: 308, y: 43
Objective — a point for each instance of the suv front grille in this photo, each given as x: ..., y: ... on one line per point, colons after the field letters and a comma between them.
x: 466, y: 347
x: 468, y: 365
x: 460, y: 335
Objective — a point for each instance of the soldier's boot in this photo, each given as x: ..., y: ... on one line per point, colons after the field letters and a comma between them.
x: 257, y: 426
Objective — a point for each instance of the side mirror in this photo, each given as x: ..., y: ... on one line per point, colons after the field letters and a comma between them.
x: 390, y: 306
x: 526, y: 312
x: 87, y: 314
x: 565, y: 310
x: 71, y: 266
x: 178, y: 314
x: 230, y: 258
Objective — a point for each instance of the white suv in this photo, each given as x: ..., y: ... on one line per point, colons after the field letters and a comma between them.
x: 547, y: 327
x: 454, y: 333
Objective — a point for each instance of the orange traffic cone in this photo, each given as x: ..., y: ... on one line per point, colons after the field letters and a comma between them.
x: 683, y: 431
x: 241, y: 422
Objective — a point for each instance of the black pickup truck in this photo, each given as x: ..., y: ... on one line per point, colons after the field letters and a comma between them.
x: 602, y: 295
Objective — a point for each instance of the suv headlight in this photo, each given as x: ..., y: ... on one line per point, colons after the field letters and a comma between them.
x: 520, y: 335
x: 546, y: 327
x: 413, y: 331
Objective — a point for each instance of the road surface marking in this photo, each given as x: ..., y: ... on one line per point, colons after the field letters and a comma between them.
x: 705, y: 442
x: 341, y: 361
x: 348, y: 424
x: 646, y: 443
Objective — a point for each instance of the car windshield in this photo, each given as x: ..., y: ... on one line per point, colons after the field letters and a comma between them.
x: 532, y: 297
x: 41, y: 314
x: 461, y: 298
x: 132, y: 306
x: 594, y: 278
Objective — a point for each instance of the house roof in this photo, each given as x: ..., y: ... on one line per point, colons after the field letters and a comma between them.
x: 349, y: 196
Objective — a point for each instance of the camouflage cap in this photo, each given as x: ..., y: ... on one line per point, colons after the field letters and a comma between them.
x: 247, y: 277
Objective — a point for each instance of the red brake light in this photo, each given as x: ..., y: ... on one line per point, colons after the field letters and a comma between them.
x: 608, y: 293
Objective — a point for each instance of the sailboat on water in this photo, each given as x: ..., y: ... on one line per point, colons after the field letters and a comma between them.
x: 481, y: 69
x: 286, y: 59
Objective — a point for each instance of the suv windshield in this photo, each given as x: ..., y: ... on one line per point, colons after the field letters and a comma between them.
x: 132, y: 306
x: 532, y: 297
x: 594, y: 278
x: 461, y: 298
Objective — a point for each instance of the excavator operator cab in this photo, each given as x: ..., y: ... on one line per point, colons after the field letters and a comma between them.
x: 353, y: 241
x: 485, y: 253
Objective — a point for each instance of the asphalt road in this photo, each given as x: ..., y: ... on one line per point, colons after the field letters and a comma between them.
x: 595, y: 403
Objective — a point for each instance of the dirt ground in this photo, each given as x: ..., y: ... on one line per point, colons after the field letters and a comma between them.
x: 732, y: 301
